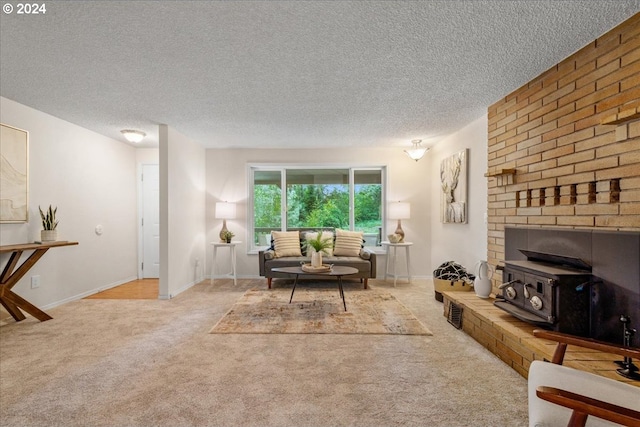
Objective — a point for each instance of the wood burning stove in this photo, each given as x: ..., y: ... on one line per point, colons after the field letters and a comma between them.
x: 610, y: 258
x: 549, y: 290
x: 580, y: 282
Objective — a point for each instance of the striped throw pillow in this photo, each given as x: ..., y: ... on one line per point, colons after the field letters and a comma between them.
x: 286, y: 243
x: 348, y: 243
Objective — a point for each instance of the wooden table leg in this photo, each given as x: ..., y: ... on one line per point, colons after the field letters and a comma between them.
x: 11, y: 265
x: 11, y: 301
x: 25, y: 305
x: 13, y: 310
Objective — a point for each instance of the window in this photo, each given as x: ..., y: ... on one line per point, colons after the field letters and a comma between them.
x: 316, y: 197
x: 267, y: 205
x: 368, y: 204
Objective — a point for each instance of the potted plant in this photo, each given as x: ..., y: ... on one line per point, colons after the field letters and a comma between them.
x: 319, y: 245
x: 49, y: 224
x: 226, y: 236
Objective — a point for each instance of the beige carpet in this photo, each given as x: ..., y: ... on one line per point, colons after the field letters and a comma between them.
x: 153, y: 363
x: 318, y: 311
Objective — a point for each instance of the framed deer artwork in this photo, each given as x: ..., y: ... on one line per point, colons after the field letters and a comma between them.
x: 453, y: 184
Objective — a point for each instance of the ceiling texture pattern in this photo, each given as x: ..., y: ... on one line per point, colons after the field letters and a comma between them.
x: 288, y: 74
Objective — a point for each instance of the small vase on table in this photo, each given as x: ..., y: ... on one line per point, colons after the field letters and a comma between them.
x: 316, y: 260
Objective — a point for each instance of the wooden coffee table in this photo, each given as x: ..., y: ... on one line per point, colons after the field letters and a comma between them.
x: 337, y: 271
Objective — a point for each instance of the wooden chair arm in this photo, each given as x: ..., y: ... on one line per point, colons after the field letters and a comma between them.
x: 583, y: 406
x: 564, y: 339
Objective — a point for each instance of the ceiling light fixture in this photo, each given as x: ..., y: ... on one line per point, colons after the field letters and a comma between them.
x: 134, y: 136
x: 417, y: 151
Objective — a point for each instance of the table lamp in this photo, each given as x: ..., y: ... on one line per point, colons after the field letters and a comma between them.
x: 399, y: 211
x: 225, y: 211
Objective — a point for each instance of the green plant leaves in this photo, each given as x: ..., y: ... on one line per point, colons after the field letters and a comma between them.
x: 49, y: 221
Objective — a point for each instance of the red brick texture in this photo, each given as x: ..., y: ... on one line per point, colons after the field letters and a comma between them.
x: 573, y: 136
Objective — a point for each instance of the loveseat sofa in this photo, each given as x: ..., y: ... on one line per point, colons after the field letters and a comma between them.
x: 359, y: 257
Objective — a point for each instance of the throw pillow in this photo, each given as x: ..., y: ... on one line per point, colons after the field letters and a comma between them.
x: 348, y: 243
x: 286, y: 243
x: 311, y: 235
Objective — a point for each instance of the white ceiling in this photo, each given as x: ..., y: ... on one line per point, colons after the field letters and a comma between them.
x: 278, y: 74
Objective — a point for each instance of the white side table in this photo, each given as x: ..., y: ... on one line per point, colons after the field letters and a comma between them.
x: 391, y: 253
x: 232, y: 254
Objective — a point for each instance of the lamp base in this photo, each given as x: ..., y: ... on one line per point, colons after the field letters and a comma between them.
x: 399, y: 231
x: 223, y: 231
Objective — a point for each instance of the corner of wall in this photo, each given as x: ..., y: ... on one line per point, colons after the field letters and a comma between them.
x: 462, y: 243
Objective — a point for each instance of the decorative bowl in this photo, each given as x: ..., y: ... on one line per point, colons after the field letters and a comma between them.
x: 325, y: 268
x: 394, y: 238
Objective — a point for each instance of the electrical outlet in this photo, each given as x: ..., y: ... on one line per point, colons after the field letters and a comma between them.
x: 35, y: 282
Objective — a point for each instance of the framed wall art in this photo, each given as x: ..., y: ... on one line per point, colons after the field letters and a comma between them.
x: 453, y: 184
x: 14, y: 174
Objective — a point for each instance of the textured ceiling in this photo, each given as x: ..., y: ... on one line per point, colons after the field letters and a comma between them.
x: 288, y: 74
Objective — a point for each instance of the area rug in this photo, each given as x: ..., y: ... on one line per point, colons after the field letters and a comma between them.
x: 318, y: 311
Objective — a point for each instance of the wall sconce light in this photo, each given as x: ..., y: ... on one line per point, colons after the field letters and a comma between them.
x: 225, y: 211
x: 134, y: 136
x: 399, y: 211
x: 417, y: 151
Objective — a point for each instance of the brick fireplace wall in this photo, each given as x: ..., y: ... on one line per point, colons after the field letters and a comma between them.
x: 564, y: 149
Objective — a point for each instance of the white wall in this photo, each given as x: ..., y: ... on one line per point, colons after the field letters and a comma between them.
x: 465, y: 244
x: 407, y: 181
x: 182, y: 212
x: 148, y: 156
x: 91, y: 179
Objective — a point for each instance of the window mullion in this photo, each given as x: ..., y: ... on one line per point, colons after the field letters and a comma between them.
x: 283, y: 199
x: 352, y: 203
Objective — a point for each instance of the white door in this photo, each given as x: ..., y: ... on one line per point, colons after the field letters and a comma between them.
x: 150, y: 221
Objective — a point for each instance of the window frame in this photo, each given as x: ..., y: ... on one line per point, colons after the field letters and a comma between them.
x: 252, y: 248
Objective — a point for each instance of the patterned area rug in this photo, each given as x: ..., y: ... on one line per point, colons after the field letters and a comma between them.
x: 318, y: 311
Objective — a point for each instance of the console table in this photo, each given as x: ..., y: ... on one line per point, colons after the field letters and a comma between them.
x: 10, y: 276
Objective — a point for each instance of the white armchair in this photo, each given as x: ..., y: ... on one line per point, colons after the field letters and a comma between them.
x: 560, y: 395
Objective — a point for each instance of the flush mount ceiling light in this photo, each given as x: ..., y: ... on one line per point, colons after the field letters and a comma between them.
x: 133, y: 135
x: 417, y: 151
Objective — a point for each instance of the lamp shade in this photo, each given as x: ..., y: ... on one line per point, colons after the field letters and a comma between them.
x: 399, y: 210
x: 225, y: 210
